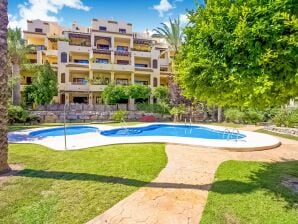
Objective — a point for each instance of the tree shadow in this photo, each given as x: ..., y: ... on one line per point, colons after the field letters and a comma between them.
x: 68, y: 176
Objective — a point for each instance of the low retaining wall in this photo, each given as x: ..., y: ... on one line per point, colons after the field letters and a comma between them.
x: 92, y: 116
x: 283, y: 130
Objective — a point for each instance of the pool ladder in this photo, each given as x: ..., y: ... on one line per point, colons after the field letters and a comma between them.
x: 185, y: 122
x: 230, y: 132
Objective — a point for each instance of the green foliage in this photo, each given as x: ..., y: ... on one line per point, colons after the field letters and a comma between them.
x: 286, y: 117
x: 16, y: 47
x: 17, y: 114
x: 119, y: 115
x: 153, y: 108
x: 241, y: 53
x: 177, y: 110
x: 253, y: 116
x: 172, y: 32
x: 234, y: 115
x: 112, y: 94
x: 162, y: 93
x: 44, y: 86
x: 138, y: 91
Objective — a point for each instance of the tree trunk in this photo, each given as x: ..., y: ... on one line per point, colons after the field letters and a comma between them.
x: 219, y: 114
x: 3, y: 87
x: 16, y: 89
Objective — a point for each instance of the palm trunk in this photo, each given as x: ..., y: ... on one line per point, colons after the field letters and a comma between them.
x: 16, y: 89
x: 3, y: 87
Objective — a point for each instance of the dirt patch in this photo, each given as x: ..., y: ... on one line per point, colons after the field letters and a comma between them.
x: 14, y: 169
x: 291, y: 183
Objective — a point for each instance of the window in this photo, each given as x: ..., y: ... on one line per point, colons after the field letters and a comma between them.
x: 155, y: 63
x: 102, y: 28
x: 62, y: 98
x: 141, y: 82
x: 102, y: 60
x: 122, y: 62
x: 122, y: 82
x: 40, y: 47
x: 122, y: 30
x: 154, y: 82
x: 79, y: 81
x: 122, y: 48
x: 28, y: 80
x: 141, y: 65
x: 38, y: 30
x: 63, y: 57
x: 81, y: 61
x: 62, y: 77
x: 103, y: 47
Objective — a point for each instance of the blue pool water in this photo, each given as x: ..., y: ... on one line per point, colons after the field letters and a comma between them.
x: 70, y: 130
x: 171, y: 130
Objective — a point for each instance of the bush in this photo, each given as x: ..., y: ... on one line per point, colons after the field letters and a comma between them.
x: 153, y: 108
x: 119, y: 115
x: 162, y: 93
x: 17, y: 114
x: 286, y: 117
x: 138, y: 91
x: 234, y: 115
x: 113, y: 94
x: 253, y: 116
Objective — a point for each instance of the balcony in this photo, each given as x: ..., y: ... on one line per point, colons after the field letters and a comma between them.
x: 97, y: 88
x: 74, y: 86
x: 139, y: 53
x: 51, y: 52
x: 101, y: 66
x: 123, y: 67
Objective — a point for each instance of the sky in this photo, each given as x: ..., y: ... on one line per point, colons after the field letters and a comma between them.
x: 143, y: 14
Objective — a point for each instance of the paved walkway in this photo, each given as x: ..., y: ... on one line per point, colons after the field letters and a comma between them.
x: 179, y: 194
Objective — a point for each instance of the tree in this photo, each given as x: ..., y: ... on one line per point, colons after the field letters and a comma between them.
x: 112, y: 94
x: 3, y: 86
x: 44, y: 86
x: 162, y: 93
x: 240, y: 53
x: 138, y: 91
x: 172, y: 33
x: 17, y: 51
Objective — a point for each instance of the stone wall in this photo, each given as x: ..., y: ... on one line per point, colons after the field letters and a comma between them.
x: 89, y: 113
x: 283, y: 130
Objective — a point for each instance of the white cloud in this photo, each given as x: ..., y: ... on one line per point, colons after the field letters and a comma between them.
x: 164, y: 6
x: 183, y: 19
x: 42, y: 9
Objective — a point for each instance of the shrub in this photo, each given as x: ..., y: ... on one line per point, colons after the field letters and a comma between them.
x: 113, y: 94
x: 17, y: 114
x: 153, y: 108
x: 162, y: 93
x: 234, y: 115
x: 286, y: 117
x: 119, y: 115
x: 252, y: 116
x: 138, y: 91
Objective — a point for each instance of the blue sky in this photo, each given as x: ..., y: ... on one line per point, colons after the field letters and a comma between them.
x: 141, y: 13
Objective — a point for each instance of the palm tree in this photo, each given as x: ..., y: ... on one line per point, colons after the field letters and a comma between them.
x: 172, y: 32
x: 3, y: 86
x: 16, y: 55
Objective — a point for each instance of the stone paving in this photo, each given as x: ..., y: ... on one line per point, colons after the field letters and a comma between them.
x: 179, y: 194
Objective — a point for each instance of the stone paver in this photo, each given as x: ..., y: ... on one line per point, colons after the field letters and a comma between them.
x: 179, y: 194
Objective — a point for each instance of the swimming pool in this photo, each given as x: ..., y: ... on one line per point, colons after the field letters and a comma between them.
x: 59, y: 131
x: 173, y: 130
x: 85, y: 136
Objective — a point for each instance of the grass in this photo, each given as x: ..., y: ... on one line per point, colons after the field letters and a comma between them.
x: 278, y: 134
x: 17, y: 127
x: 251, y: 192
x: 74, y: 186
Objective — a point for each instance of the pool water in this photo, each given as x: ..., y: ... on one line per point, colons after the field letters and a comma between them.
x: 172, y: 130
x: 70, y: 130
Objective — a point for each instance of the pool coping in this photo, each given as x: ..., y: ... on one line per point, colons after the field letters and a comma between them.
x: 252, y: 142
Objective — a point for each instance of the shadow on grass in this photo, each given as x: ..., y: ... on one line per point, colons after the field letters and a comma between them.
x: 268, y: 178
x: 105, y: 179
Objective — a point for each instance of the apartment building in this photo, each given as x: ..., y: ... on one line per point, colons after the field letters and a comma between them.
x: 87, y: 59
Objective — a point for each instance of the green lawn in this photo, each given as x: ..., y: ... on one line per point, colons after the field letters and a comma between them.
x: 278, y: 134
x: 74, y: 186
x: 251, y: 192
